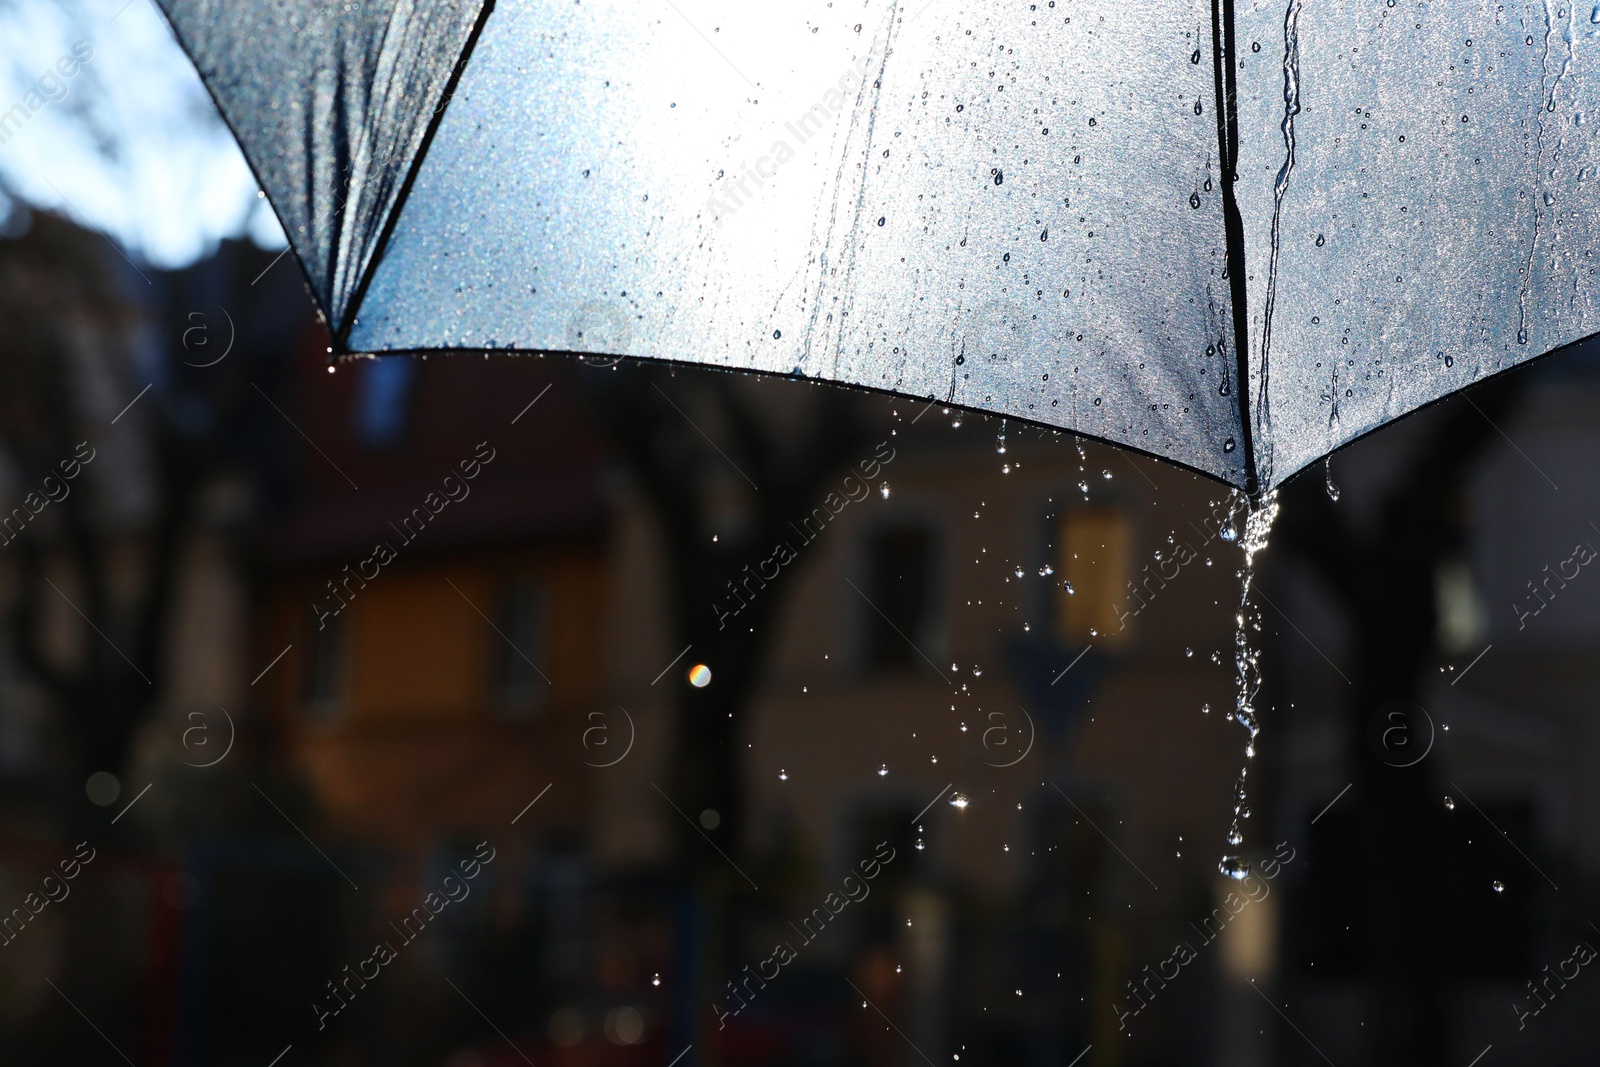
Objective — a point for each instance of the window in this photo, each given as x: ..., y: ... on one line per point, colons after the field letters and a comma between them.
x: 520, y: 685
x: 325, y: 668
x: 899, y: 579
x: 1094, y: 550
x: 383, y: 400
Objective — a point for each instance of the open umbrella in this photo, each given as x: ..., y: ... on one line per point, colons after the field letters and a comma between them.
x: 1235, y: 235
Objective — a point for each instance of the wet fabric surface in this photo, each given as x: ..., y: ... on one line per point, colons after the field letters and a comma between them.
x: 1019, y: 210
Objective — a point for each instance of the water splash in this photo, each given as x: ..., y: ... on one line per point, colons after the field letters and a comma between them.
x: 1247, y: 664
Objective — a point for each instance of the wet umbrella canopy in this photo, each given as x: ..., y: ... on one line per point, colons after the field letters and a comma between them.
x: 1235, y: 236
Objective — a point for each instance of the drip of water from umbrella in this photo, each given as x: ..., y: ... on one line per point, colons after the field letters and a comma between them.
x: 1247, y: 663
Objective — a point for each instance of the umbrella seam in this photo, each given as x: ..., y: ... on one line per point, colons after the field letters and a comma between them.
x: 1222, y: 43
x: 341, y: 338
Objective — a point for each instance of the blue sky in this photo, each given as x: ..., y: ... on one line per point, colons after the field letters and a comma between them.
x: 130, y: 143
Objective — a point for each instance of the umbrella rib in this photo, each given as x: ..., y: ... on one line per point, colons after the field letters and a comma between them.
x: 353, y: 308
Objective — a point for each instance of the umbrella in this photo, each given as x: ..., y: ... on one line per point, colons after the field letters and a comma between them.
x: 1232, y: 234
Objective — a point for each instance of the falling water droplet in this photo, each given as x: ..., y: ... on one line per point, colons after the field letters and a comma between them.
x: 959, y: 800
x: 1234, y: 867
x: 977, y: 671
x: 1247, y: 659
x: 1327, y: 473
x: 883, y: 490
x: 1106, y: 475
x: 883, y: 770
x: 1205, y: 709
x: 1450, y: 802
x: 1499, y: 886
x: 1068, y: 587
x: 1046, y: 571
x: 1188, y: 653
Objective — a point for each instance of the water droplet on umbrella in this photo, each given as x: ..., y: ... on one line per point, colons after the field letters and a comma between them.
x: 776, y: 334
x: 1194, y: 200
x: 1197, y: 107
x: 999, y: 176
x: 882, y: 219
x: 1321, y: 240
x: 1255, y: 46
x: 1228, y: 445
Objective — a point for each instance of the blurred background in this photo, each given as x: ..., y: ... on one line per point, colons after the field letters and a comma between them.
x: 475, y: 712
